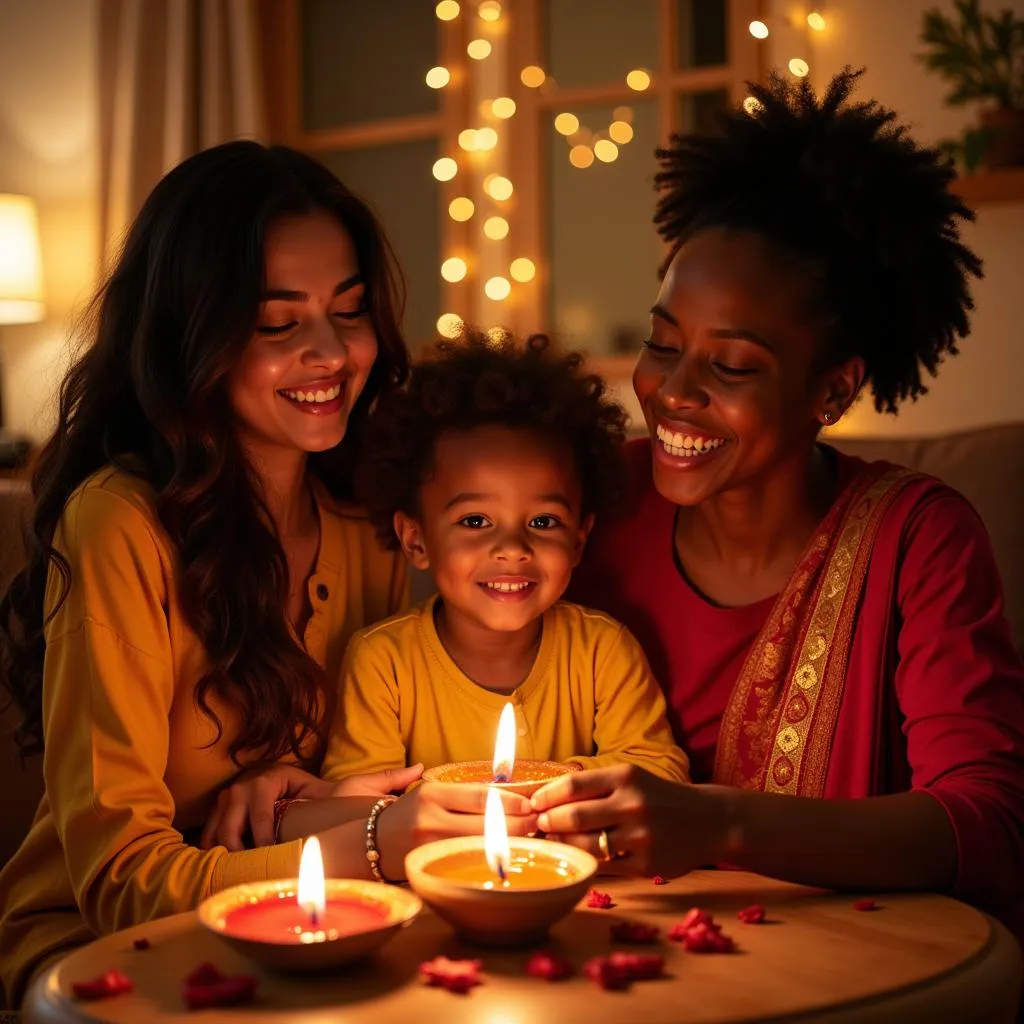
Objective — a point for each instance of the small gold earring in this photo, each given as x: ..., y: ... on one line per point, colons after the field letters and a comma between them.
x: 827, y: 416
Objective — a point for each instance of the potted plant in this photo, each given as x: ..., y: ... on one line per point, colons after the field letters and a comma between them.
x: 982, y: 56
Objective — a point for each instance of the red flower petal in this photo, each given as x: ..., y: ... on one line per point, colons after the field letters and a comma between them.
x: 703, y: 938
x: 549, y: 967
x: 109, y: 983
x: 600, y: 900
x: 635, y: 933
x: 658, y: 880
x: 608, y: 974
x: 230, y: 991
x: 865, y: 904
x: 753, y: 914
x: 640, y: 966
x: 454, y: 975
x: 696, y: 916
x: 141, y: 944
x: 205, y: 974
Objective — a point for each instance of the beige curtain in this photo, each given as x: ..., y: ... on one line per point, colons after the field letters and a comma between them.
x: 176, y: 76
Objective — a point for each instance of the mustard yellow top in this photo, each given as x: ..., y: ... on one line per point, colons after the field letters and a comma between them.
x: 590, y: 698
x: 130, y: 762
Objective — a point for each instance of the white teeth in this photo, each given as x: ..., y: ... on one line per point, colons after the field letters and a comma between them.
x: 687, y: 446
x: 315, y: 396
x: 507, y: 587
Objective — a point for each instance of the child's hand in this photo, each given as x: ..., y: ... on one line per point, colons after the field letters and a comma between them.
x: 389, y: 780
x: 249, y: 803
x: 437, y: 810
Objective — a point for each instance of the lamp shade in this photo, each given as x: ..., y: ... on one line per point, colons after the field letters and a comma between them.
x: 21, y: 264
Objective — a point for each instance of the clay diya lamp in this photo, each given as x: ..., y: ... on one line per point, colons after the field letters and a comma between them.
x: 504, y: 771
x: 309, y: 923
x: 496, y: 891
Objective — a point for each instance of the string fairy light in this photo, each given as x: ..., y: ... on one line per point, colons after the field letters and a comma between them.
x: 799, y: 67
x: 638, y: 80
x: 816, y: 21
x: 489, y: 10
x: 447, y: 10
x: 445, y: 169
x: 758, y: 29
x: 479, y: 49
x: 438, y: 78
x: 503, y: 107
x: 532, y: 77
x: 461, y: 209
x: 498, y: 288
x: 522, y: 270
x: 450, y: 325
x: 454, y: 269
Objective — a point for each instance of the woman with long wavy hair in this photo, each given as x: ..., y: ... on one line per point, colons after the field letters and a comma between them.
x: 196, y: 567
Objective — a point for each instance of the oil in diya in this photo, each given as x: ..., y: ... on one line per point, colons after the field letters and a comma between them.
x: 310, y: 924
x: 524, y: 777
x: 498, y: 892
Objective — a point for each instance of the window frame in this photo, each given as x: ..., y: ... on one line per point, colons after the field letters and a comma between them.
x: 526, y: 131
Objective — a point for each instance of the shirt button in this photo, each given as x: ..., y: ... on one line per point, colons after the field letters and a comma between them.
x: 322, y: 592
x: 522, y: 732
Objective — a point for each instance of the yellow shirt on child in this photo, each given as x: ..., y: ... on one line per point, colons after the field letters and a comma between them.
x: 131, y: 763
x: 590, y: 698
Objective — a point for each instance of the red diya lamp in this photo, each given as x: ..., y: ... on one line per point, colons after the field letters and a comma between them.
x: 504, y: 771
x: 308, y: 923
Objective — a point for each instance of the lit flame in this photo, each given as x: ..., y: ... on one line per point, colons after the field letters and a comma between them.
x: 495, y: 833
x: 311, y: 880
x: 505, y: 745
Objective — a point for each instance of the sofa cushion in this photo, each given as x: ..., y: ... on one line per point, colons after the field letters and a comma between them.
x: 987, y: 467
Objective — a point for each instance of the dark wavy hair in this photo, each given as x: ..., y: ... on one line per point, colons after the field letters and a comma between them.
x: 472, y: 382
x: 148, y: 396
x: 868, y: 212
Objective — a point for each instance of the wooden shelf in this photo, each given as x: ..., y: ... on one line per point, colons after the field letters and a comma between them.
x: 1003, y: 186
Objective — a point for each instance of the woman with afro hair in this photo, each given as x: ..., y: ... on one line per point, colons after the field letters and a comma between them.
x: 829, y: 633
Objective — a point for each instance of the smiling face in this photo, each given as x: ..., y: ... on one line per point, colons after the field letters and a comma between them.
x: 499, y: 524
x: 732, y: 383
x: 299, y: 377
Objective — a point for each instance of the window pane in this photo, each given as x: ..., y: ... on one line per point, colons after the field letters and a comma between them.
x: 596, y: 42
x: 604, y: 251
x: 702, y: 33
x: 697, y: 110
x: 397, y: 181
x: 365, y: 61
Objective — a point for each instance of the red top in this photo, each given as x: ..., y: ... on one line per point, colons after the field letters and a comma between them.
x: 934, y: 693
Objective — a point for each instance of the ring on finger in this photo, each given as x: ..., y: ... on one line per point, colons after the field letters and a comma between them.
x: 605, y: 848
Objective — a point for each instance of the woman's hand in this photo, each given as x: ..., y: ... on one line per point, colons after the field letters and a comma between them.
x: 652, y: 826
x: 437, y: 810
x: 249, y: 801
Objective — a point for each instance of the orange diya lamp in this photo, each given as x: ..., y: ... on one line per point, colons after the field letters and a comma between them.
x: 495, y: 890
x: 504, y: 771
x: 311, y: 922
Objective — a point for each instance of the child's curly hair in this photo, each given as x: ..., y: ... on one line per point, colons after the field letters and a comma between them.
x: 472, y: 382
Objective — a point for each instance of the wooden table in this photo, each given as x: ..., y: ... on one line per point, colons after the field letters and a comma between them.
x: 916, y: 958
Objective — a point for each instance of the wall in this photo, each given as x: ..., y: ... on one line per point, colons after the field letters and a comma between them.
x: 49, y: 150
x: 983, y: 384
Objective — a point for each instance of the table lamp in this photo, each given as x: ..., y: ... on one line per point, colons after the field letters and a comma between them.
x: 21, y: 286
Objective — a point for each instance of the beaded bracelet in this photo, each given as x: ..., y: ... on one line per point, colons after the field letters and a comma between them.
x: 372, y: 853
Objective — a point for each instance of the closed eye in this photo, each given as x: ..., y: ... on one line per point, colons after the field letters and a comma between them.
x: 733, y: 371
x: 354, y: 315
x: 651, y: 346
x: 277, y: 328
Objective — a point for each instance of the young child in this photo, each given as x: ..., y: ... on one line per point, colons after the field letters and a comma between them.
x: 489, y: 470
